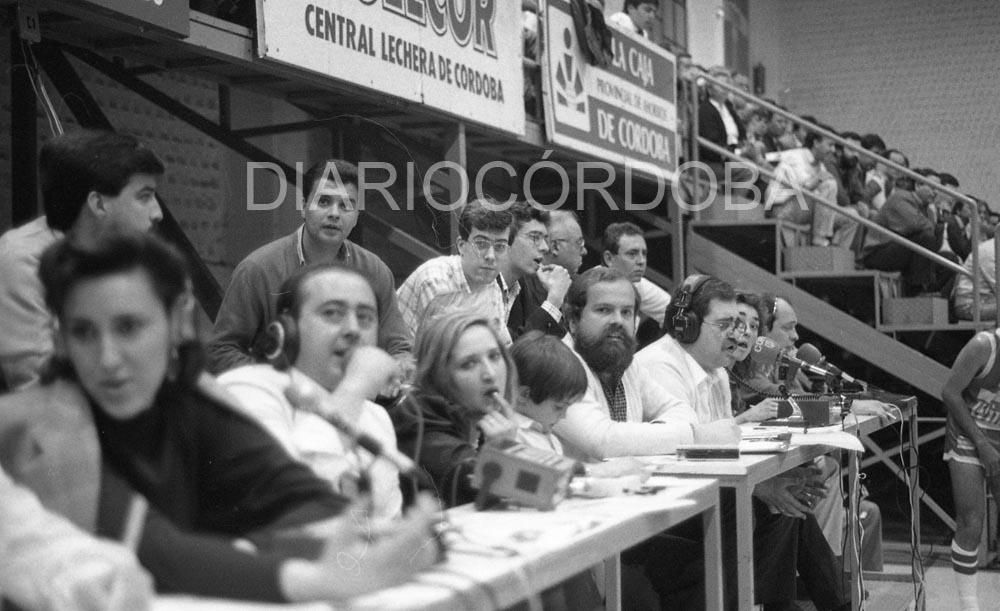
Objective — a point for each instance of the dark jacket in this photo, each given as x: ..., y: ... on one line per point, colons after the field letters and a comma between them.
x: 446, y: 452
x: 526, y: 313
x: 711, y: 127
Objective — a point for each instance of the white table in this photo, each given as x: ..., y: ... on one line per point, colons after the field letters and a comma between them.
x: 499, y: 558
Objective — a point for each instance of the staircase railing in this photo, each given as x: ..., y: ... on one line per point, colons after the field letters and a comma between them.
x: 693, y: 82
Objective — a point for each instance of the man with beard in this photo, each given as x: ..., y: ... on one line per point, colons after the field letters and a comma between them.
x: 622, y: 413
x: 702, y: 327
x: 540, y: 307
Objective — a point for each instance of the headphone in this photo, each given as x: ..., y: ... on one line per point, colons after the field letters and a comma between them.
x: 686, y: 325
x: 281, y: 339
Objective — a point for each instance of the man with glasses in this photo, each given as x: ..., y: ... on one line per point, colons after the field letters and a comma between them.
x: 329, y: 214
x: 625, y: 250
x: 566, y: 244
x: 468, y: 280
x: 538, y: 304
x: 688, y: 365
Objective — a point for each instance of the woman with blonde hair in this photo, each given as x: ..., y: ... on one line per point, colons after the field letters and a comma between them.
x: 464, y: 385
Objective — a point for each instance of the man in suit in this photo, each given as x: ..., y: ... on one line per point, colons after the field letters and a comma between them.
x: 719, y: 123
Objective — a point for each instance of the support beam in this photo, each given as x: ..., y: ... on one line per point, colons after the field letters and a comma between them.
x: 89, y: 113
x: 182, y: 112
x: 456, y: 153
x: 23, y: 138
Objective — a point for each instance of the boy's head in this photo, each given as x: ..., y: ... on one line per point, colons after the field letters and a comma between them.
x: 551, y: 377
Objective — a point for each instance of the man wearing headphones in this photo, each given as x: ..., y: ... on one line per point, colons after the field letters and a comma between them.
x: 688, y: 364
x: 322, y: 344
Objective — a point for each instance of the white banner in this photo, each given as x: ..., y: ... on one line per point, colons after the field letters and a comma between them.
x: 459, y: 56
x: 624, y: 113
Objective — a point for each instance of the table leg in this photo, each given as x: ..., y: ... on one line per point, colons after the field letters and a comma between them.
x: 613, y: 583
x: 744, y: 546
x: 713, y: 558
x: 853, y: 545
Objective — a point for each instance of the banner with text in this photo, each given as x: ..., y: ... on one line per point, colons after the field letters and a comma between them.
x: 459, y: 56
x: 169, y: 15
x: 623, y: 114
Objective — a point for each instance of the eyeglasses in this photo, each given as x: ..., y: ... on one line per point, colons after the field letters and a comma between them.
x: 728, y: 325
x: 483, y: 246
x: 537, y: 238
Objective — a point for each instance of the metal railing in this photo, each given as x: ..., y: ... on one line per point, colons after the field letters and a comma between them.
x: 693, y: 84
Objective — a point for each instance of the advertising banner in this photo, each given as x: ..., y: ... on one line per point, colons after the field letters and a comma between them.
x: 459, y: 56
x: 168, y: 15
x: 623, y: 114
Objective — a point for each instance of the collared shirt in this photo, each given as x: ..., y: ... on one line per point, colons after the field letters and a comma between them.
x: 439, y: 285
x: 343, y: 255
x: 679, y: 376
x: 732, y: 131
x: 531, y: 434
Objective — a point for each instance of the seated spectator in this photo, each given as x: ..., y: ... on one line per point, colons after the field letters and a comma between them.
x: 48, y: 563
x: 719, y: 124
x: 958, y: 230
x: 329, y: 215
x: 130, y: 423
x: 625, y: 250
x: 470, y: 278
x: 464, y: 385
x: 905, y: 214
x: 326, y: 330
x: 987, y: 220
x: 804, y: 169
x: 637, y: 17
x: 852, y: 176
x: 877, y: 179
x: 533, y: 308
x: 778, y: 138
x: 93, y: 183
x: 962, y: 295
x: 753, y: 146
x: 743, y: 106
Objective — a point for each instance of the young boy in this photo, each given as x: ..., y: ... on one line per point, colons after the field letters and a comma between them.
x: 551, y: 378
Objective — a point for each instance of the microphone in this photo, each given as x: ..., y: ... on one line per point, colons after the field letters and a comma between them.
x: 811, y: 355
x: 765, y: 352
x: 305, y: 397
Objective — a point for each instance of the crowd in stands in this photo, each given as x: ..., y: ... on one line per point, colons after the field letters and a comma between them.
x: 861, y: 185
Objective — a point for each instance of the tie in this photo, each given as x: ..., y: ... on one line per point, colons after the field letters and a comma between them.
x: 616, y: 401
